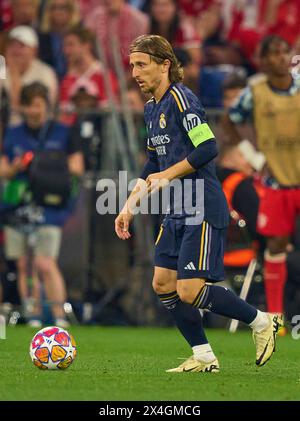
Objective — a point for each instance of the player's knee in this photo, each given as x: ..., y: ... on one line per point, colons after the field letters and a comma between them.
x: 161, y: 285
x: 185, y: 293
x: 189, y: 291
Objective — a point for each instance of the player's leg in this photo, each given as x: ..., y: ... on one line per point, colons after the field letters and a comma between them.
x: 222, y: 301
x: 191, y: 288
x: 187, y: 319
x: 188, y: 322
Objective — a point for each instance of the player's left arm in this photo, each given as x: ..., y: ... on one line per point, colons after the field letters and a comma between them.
x: 193, y: 123
x: 200, y: 156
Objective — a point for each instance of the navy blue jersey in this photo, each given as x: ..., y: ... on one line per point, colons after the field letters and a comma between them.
x: 176, y: 125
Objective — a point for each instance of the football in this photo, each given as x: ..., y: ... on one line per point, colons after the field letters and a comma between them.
x: 52, y: 348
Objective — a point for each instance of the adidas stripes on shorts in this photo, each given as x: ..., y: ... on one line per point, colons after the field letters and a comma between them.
x: 194, y: 251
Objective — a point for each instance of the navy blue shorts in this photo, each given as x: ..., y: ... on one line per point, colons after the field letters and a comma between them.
x: 194, y: 251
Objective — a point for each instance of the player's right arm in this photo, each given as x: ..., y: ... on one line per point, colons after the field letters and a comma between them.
x: 140, y: 190
x: 124, y: 218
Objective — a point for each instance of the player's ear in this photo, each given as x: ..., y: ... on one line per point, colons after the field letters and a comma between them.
x: 166, y: 65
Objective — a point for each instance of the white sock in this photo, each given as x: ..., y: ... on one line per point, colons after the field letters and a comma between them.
x: 203, y: 353
x: 260, y: 322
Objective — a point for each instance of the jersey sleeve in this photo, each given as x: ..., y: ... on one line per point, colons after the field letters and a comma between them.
x: 241, y: 110
x: 191, y: 117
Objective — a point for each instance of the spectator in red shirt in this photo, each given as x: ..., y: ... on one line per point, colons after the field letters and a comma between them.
x: 115, y: 17
x: 86, y: 6
x: 166, y: 21
x: 205, y: 15
x: 248, y: 23
x: 243, y: 25
x: 83, y: 70
x: 286, y: 20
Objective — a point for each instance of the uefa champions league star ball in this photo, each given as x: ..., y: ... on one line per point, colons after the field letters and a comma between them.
x: 52, y: 348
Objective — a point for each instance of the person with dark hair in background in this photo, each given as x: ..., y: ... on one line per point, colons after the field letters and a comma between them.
x: 83, y: 69
x: 38, y: 159
x: 234, y: 171
x: 191, y: 69
x: 232, y: 85
x: 88, y: 124
x: 274, y: 104
x: 166, y: 21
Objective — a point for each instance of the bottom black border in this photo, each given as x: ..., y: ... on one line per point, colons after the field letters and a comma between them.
x: 137, y: 409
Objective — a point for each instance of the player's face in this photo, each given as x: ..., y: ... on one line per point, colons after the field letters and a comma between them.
x: 146, y: 72
x: 278, y: 59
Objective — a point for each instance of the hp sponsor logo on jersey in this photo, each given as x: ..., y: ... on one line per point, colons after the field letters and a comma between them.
x: 190, y: 121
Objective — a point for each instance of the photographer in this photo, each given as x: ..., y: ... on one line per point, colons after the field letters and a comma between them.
x: 41, y: 158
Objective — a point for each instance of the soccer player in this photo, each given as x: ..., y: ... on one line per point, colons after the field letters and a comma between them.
x: 189, y: 248
x: 274, y: 105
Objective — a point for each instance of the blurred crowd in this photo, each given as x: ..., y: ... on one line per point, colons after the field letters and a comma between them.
x: 54, y: 41
x: 77, y: 51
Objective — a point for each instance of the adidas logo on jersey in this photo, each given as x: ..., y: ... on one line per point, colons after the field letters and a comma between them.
x: 190, y: 266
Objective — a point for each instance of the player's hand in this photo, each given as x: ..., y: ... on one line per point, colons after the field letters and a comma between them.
x: 157, y: 181
x: 122, y: 225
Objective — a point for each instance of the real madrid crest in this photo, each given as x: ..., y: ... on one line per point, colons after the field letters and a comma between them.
x: 162, y: 121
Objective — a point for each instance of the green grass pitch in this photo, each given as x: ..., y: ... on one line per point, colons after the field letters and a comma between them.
x: 129, y: 364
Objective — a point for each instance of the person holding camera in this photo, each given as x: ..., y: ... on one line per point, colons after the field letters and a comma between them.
x: 39, y: 161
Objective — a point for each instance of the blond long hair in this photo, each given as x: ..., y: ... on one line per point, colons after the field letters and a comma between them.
x: 75, y: 19
x: 159, y: 50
